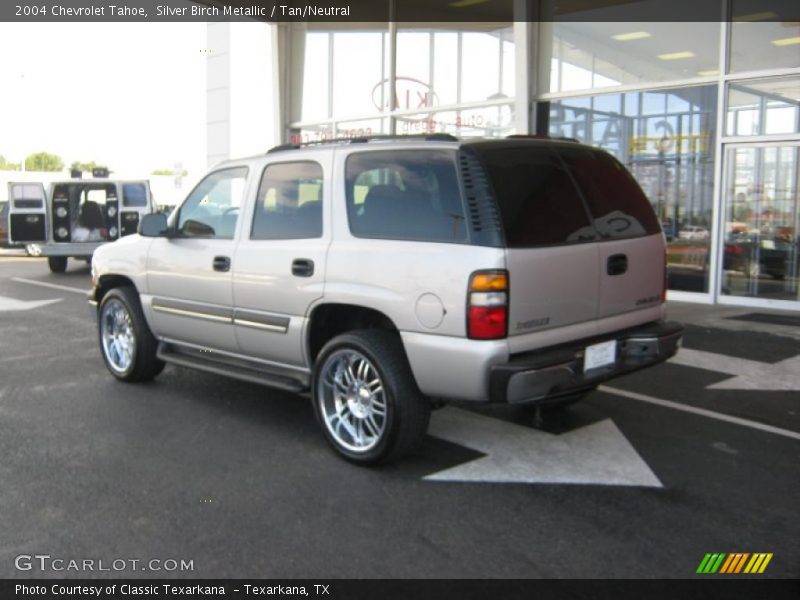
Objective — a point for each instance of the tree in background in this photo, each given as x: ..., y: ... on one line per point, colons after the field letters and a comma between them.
x: 42, y: 161
x: 168, y: 172
x: 7, y: 166
x: 87, y: 167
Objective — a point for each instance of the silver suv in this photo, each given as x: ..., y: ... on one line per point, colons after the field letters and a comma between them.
x: 385, y: 276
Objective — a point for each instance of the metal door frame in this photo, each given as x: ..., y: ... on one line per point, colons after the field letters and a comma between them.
x: 717, y: 250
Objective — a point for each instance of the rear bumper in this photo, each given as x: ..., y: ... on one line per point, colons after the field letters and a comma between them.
x: 546, y: 376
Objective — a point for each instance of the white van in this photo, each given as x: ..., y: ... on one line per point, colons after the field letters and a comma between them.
x: 75, y: 217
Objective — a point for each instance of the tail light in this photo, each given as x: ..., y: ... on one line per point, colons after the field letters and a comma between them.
x: 487, y: 305
x: 666, y: 278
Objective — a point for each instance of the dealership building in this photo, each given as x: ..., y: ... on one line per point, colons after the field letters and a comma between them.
x: 705, y: 114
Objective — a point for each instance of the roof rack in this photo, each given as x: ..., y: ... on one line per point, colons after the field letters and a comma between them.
x: 428, y: 137
x: 523, y: 136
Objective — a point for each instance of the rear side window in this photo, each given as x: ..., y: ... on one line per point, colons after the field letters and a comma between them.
x: 405, y: 195
x: 619, y: 207
x: 27, y: 196
x: 289, y: 204
x: 539, y: 204
x: 134, y: 195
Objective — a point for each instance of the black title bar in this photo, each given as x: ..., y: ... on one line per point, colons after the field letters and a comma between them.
x: 401, y: 589
x: 410, y: 11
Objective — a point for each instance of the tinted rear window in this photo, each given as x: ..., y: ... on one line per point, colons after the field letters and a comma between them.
x: 406, y: 195
x: 619, y: 207
x: 539, y: 204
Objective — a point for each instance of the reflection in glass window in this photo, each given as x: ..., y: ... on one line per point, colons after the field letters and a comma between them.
x: 454, y: 65
x: 618, y: 206
x: 289, y: 203
x: 761, y: 256
x: 539, y: 204
x: 763, y: 107
x: 343, y: 73
x: 757, y: 43
x: 666, y: 139
x: 598, y: 54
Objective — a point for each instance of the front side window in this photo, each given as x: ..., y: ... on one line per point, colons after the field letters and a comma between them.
x: 289, y: 204
x: 405, y: 194
x: 212, y: 209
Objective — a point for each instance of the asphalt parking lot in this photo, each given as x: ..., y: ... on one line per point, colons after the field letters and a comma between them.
x: 642, y: 479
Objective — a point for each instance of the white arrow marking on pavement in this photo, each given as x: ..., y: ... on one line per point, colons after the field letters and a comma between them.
x: 54, y: 286
x: 748, y: 374
x: 9, y: 304
x: 597, y: 454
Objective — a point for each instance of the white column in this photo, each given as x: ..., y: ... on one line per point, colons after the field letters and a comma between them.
x: 239, y: 99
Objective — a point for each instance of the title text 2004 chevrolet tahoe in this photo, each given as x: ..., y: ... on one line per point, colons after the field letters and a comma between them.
x: 381, y: 274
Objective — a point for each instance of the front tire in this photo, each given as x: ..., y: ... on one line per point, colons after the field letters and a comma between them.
x: 127, y: 345
x: 57, y: 264
x: 365, y: 397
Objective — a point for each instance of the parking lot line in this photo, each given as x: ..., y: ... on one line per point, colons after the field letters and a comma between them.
x: 55, y: 286
x: 700, y: 411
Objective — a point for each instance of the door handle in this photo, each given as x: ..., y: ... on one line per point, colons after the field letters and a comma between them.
x: 222, y: 263
x: 302, y: 267
x: 617, y: 264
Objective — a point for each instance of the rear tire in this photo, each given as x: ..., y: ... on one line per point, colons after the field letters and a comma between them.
x: 365, y: 397
x: 57, y: 264
x: 127, y: 345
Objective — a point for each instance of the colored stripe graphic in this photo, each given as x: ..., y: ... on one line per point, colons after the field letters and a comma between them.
x: 734, y: 563
x: 758, y: 563
x: 711, y: 562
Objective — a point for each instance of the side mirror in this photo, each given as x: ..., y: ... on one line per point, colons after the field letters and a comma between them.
x: 153, y: 225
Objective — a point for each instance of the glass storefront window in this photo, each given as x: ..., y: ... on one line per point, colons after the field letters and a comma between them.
x: 666, y: 139
x: 594, y: 55
x: 315, y: 76
x: 338, y: 130
x: 761, y: 38
x: 359, y: 71
x: 496, y: 120
x: 763, y: 107
x: 455, y: 65
x: 762, y: 220
x: 344, y: 73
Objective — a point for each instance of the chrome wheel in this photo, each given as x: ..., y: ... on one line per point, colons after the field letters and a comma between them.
x: 116, y: 333
x: 352, y: 400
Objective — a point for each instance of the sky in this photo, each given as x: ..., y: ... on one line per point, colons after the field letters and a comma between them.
x: 129, y: 95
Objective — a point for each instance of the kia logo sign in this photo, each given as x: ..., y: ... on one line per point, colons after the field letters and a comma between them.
x: 410, y: 94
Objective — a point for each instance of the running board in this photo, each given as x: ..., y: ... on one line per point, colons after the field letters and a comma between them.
x: 228, y: 366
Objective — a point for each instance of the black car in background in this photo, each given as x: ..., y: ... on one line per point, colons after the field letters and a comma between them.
x: 757, y: 255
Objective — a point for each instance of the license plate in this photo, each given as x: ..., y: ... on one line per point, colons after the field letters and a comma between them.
x: 600, y: 355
